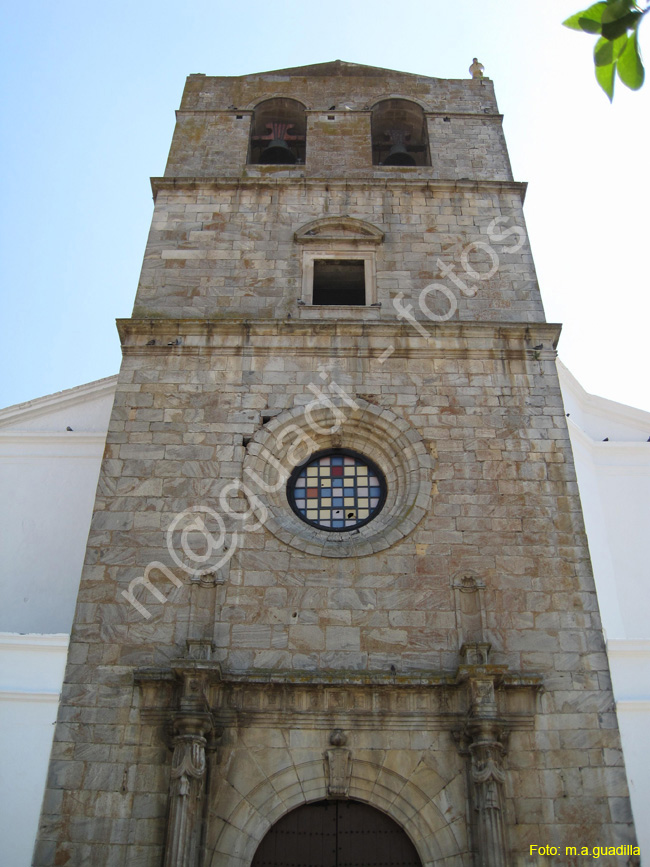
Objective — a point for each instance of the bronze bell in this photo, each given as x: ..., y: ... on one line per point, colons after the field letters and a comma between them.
x: 278, y: 153
x: 399, y: 156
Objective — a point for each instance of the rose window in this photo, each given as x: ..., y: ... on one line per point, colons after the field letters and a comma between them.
x: 337, y: 490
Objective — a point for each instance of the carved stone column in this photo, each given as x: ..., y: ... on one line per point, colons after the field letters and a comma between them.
x: 482, y: 741
x: 186, y: 792
x: 187, y: 779
x: 487, y: 777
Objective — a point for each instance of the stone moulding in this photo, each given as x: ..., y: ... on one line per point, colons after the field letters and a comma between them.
x: 344, y: 228
x: 432, y: 184
x: 247, y: 112
x: 428, y: 700
x: 502, y: 340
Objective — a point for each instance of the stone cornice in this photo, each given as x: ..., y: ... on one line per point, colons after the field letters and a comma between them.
x: 169, y: 184
x: 35, y: 445
x: 338, y: 229
x: 426, y: 700
x: 248, y: 112
x: 294, y: 677
x: 314, y: 338
x: 641, y: 705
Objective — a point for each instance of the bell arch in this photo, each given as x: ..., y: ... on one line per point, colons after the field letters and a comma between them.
x: 278, y: 132
x: 399, y: 134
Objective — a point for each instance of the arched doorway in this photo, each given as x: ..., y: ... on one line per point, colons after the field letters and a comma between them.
x: 336, y: 834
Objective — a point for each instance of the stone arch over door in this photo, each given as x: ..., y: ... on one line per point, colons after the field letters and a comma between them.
x: 430, y: 808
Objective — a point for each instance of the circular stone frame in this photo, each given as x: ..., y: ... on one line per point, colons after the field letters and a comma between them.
x: 377, y: 434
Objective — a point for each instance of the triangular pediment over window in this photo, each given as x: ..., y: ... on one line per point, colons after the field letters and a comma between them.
x: 339, y: 229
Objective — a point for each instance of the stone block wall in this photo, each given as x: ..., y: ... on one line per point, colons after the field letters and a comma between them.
x: 226, y: 250
x: 504, y: 502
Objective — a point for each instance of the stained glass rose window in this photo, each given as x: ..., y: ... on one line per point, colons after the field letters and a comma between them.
x: 337, y: 490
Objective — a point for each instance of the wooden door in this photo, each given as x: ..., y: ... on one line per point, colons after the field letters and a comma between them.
x: 336, y: 834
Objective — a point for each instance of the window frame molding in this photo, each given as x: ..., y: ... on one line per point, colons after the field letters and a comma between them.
x: 369, y: 274
x: 341, y: 237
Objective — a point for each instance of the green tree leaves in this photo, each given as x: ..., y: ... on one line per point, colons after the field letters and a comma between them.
x: 617, y: 49
x: 590, y: 20
x: 630, y: 67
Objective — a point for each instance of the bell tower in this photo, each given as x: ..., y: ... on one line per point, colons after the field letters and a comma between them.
x: 337, y: 604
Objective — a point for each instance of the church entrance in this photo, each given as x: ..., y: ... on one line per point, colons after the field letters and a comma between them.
x: 336, y: 834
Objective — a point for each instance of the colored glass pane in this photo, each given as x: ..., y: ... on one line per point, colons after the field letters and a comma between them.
x: 337, y: 491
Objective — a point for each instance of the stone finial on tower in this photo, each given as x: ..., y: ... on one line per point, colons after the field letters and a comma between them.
x: 476, y: 69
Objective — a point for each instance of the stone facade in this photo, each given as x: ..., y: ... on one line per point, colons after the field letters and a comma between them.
x: 229, y: 662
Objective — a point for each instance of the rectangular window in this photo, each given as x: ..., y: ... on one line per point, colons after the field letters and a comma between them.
x: 339, y: 281
x: 333, y: 280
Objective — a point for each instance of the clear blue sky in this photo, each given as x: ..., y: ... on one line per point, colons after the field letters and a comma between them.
x: 89, y: 92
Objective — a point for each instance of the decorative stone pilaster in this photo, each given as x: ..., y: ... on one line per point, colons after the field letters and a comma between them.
x: 187, y: 779
x: 186, y: 792
x: 487, y: 778
x: 483, y: 742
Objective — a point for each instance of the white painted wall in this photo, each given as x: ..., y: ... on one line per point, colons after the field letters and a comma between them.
x: 629, y: 662
x: 48, y: 478
x: 614, y: 482
x: 31, y: 673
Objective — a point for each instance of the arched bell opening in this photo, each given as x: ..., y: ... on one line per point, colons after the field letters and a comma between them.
x: 333, y: 833
x: 399, y: 134
x: 278, y: 133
